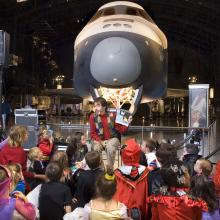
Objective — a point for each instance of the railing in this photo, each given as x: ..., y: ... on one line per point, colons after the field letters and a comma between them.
x: 177, y: 135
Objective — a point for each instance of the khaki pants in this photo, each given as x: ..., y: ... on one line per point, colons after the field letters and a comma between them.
x: 110, y: 147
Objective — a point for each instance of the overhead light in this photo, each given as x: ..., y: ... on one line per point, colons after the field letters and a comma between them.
x: 19, y: 1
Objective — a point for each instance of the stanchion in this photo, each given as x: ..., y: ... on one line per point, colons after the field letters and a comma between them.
x: 142, y: 130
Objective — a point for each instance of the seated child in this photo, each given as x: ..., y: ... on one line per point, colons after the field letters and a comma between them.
x: 174, y: 201
x: 104, y: 205
x: 55, y: 197
x: 85, y: 180
x: 203, y: 167
x: 202, y: 187
x: 164, y: 153
x: 11, y: 207
x: 18, y: 178
x: 35, y: 156
x: 76, y: 149
x: 190, y: 156
x: 45, y: 143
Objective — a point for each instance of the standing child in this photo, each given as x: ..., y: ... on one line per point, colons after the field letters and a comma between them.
x: 17, y: 176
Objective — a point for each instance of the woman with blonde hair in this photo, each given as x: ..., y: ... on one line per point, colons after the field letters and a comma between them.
x: 13, y: 150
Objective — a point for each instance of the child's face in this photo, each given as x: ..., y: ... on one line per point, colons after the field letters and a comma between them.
x: 83, y: 140
x: 145, y: 148
x: 40, y: 155
x: 197, y: 167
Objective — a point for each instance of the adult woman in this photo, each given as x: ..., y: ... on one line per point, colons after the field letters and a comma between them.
x: 13, y: 151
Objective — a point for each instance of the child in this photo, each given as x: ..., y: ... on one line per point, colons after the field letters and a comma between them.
x: 45, y: 143
x: 86, y: 179
x: 190, y: 156
x: 132, y: 184
x: 9, y: 205
x: 149, y: 148
x: 164, y: 153
x: 173, y: 201
x: 35, y: 155
x: 203, y: 166
x: 55, y: 197
x: 104, y: 205
x: 76, y: 149
x: 202, y: 187
x: 17, y: 176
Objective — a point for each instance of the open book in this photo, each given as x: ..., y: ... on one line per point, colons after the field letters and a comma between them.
x: 123, y: 117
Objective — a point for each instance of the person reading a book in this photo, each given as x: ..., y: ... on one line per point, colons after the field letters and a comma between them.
x: 104, y: 131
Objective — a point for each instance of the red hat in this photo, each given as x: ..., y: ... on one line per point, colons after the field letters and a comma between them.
x: 131, y: 153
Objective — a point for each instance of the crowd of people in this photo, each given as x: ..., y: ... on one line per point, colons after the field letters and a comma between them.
x: 151, y: 184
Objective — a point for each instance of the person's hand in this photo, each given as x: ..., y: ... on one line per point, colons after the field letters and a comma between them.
x: 130, y: 118
x: 20, y: 195
x: 132, y: 108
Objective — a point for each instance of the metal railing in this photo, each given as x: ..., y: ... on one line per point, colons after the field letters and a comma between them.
x: 177, y: 135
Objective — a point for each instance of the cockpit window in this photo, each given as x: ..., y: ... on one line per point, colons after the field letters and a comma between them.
x: 108, y: 11
x: 123, y: 10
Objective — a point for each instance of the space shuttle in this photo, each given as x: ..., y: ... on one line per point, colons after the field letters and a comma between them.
x: 121, y: 55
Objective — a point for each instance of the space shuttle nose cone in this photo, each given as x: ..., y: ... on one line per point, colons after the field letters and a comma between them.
x: 115, y: 58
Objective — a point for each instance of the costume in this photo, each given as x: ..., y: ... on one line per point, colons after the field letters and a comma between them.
x: 90, y: 213
x: 8, y: 204
x: 132, y: 184
x: 95, y: 214
x: 176, y: 207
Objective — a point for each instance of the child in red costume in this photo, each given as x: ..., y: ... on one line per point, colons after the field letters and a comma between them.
x: 132, y: 185
x: 174, y: 202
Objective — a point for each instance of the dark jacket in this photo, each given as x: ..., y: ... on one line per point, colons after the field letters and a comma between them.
x: 155, y: 181
x: 85, y: 186
x: 189, y: 160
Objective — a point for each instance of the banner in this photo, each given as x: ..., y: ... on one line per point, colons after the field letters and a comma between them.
x: 198, y: 105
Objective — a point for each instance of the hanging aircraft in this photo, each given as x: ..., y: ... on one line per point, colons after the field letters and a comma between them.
x: 121, y: 54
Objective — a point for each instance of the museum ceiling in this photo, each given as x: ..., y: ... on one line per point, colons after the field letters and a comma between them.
x: 195, y: 23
